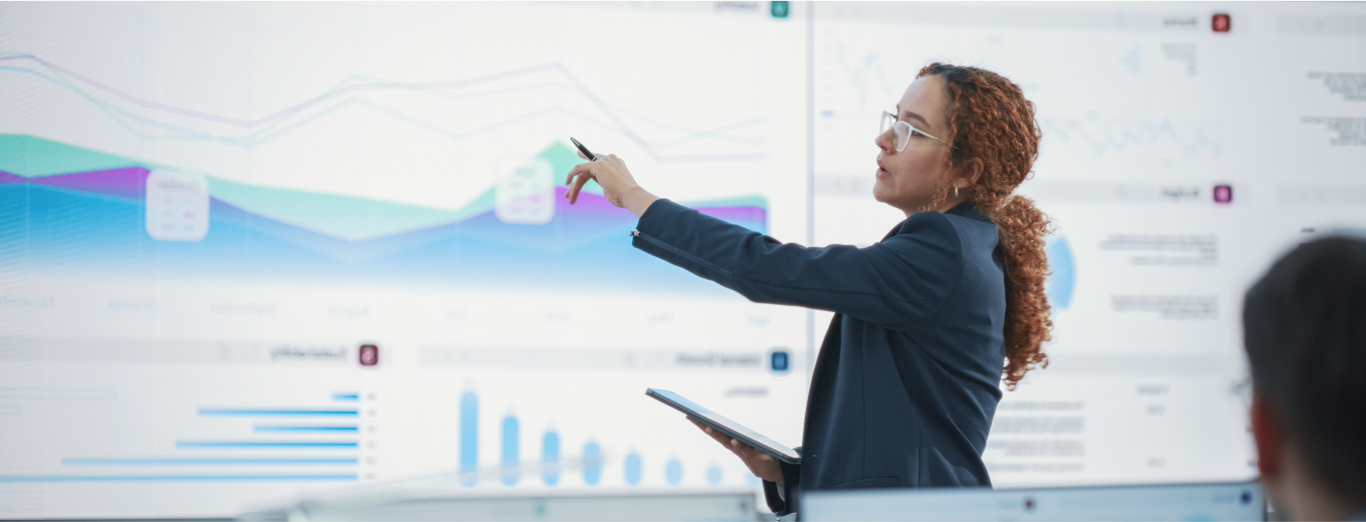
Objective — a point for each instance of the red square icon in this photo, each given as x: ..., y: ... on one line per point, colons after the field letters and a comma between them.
x: 1221, y: 23
x: 1223, y: 194
x: 369, y: 355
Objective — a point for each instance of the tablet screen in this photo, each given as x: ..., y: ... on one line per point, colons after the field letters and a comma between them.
x: 727, y: 426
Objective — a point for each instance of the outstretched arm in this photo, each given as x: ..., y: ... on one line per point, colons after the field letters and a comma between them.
x: 898, y: 283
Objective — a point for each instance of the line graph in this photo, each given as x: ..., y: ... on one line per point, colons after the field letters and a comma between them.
x: 858, y: 71
x: 863, y: 76
x: 1102, y: 137
x: 347, y: 93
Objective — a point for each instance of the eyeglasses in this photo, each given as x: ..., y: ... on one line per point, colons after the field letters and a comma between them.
x: 903, y: 131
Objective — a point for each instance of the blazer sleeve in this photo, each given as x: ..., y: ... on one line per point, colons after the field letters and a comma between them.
x: 785, y: 502
x: 897, y: 284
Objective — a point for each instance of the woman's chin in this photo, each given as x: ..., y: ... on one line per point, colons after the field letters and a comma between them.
x: 879, y: 192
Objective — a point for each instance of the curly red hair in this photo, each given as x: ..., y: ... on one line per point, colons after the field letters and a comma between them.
x: 990, y: 120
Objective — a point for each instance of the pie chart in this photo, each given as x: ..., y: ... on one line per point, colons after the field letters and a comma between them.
x: 1058, y: 288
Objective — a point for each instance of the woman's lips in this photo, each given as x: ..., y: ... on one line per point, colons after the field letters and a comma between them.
x: 882, y: 172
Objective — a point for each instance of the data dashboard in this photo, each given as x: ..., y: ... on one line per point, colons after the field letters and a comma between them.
x: 1184, y: 146
x: 253, y: 254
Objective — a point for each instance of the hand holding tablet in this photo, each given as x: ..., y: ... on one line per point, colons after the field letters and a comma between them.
x: 761, y: 464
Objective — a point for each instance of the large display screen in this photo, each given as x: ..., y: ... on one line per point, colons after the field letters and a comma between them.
x: 1184, y: 147
x: 253, y: 253
x: 257, y: 253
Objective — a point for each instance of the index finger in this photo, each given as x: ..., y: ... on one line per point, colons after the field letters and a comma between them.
x: 715, y: 434
x: 578, y: 169
x: 747, y: 452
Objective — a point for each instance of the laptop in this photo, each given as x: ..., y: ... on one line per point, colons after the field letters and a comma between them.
x: 1205, y: 501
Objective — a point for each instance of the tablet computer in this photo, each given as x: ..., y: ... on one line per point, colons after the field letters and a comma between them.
x: 727, y: 426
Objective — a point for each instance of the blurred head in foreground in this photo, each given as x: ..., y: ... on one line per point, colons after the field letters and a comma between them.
x: 1304, y: 327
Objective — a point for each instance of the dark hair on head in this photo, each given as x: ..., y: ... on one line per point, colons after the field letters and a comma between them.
x: 1304, y: 328
x: 990, y: 119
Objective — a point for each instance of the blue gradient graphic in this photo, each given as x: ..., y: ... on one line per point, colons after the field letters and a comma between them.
x: 673, y: 472
x: 633, y: 469
x: 550, y: 458
x: 1058, y: 287
x: 714, y: 475
x: 273, y: 412
x: 592, y: 464
x: 267, y: 445
x: 469, y: 439
x: 306, y: 429
x: 174, y: 478
x: 511, y: 451
x: 213, y: 462
x: 93, y: 223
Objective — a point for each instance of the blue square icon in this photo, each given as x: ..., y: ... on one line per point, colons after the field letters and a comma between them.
x: 778, y: 361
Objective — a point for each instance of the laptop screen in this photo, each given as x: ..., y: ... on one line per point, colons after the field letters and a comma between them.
x: 1220, y: 501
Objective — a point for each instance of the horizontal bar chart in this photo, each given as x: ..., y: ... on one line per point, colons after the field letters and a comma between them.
x: 267, y: 444
x: 267, y: 412
x: 165, y: 478
x: 212, y: 462
x: 321, y: 429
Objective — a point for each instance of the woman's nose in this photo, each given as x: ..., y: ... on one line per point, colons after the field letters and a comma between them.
x: 884, y: 142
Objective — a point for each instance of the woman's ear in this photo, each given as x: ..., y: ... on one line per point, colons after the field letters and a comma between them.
x: 969, y: 173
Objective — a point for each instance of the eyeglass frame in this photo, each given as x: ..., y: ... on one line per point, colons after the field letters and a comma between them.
x: 911, y: 130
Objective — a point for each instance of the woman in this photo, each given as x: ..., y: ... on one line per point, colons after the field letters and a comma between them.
x: 928, y: 321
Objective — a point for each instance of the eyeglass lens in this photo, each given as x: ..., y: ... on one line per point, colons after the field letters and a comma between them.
x: 901, y: 130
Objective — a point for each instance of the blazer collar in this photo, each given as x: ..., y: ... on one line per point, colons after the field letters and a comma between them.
x: 965, y: 209
x: 968, y: 210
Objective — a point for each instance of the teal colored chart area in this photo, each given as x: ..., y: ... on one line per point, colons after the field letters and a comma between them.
x: 30, y: 157
x: 94, y: 222
x: 343, y: 217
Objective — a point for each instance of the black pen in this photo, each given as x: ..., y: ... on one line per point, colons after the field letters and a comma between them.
x: 583, y: 149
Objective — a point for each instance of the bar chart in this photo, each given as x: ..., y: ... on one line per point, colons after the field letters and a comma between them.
x: 590, y: 461
x: 295, y: 444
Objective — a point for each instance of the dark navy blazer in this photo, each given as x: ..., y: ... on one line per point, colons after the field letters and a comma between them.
x: 908, y: 376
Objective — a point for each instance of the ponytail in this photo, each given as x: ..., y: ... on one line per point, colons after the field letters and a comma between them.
x: 990, y: 120
x: 1022, y: 230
